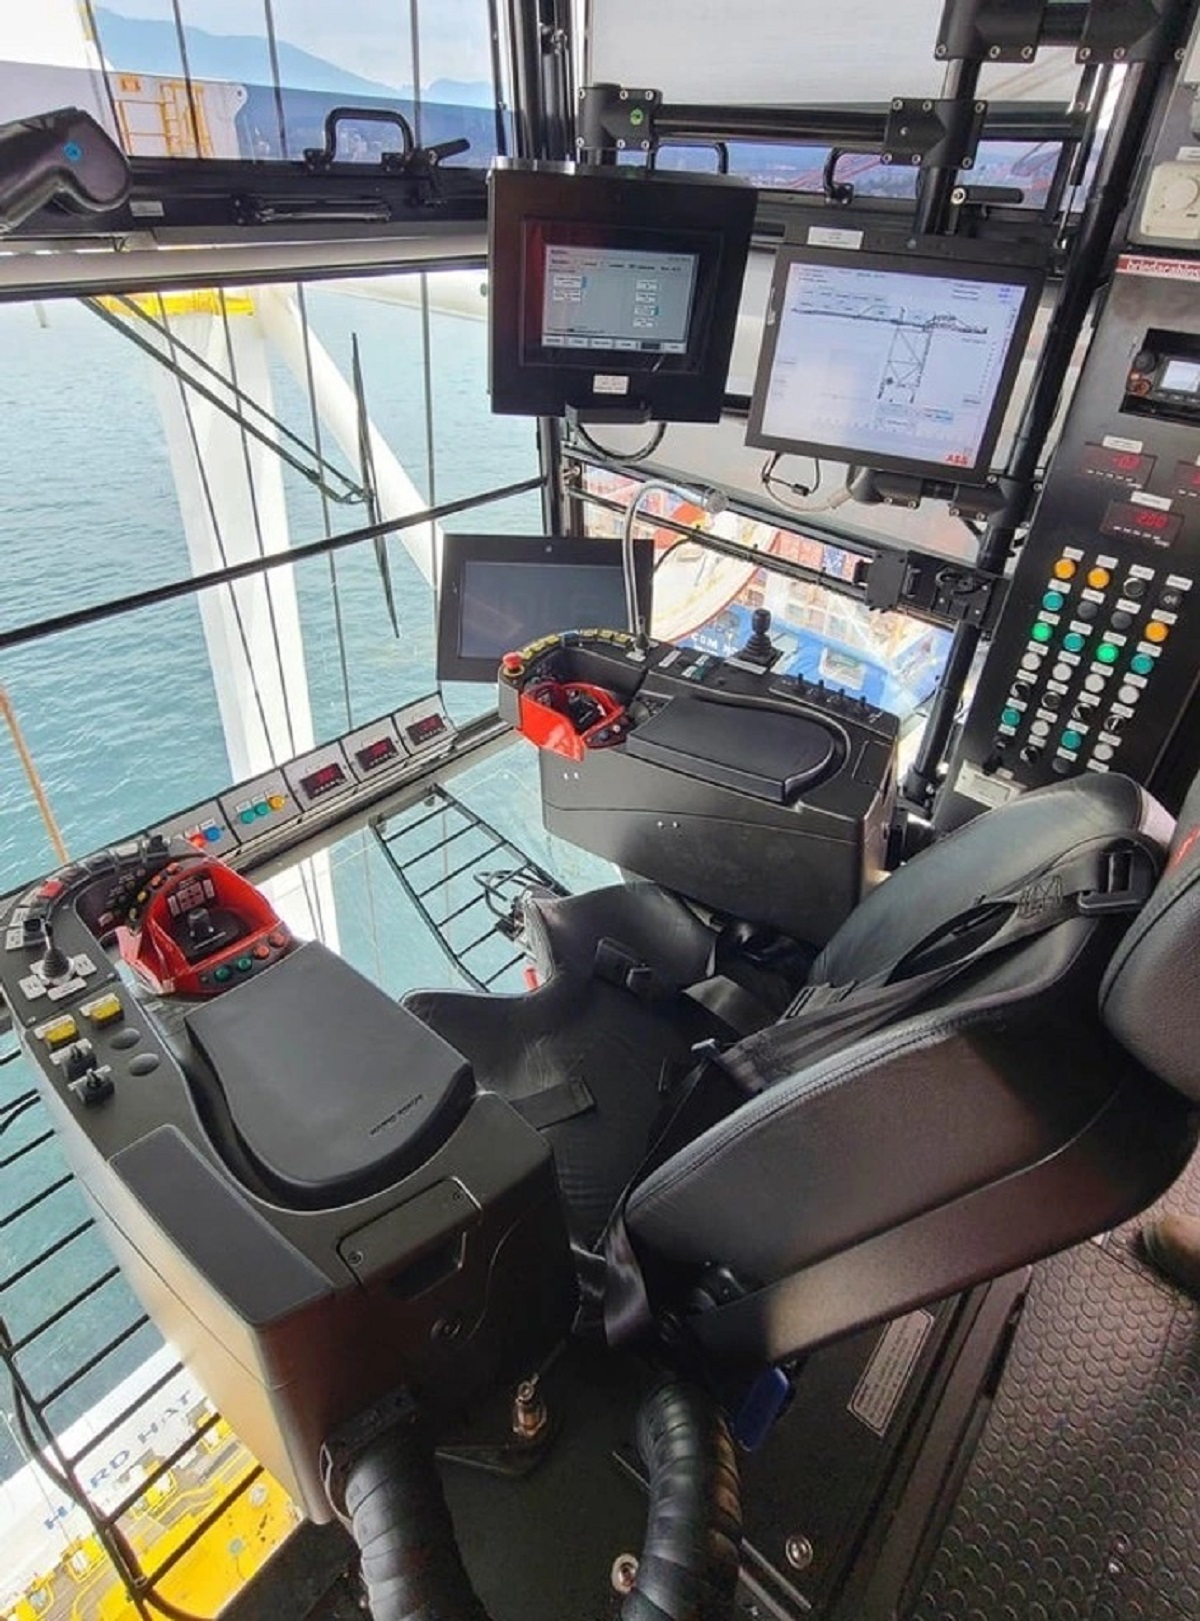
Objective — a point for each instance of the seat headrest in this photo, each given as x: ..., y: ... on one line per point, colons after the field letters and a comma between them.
x: 1150, y: 996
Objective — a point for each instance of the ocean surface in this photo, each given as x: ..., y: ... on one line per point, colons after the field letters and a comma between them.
x: 121, y: 718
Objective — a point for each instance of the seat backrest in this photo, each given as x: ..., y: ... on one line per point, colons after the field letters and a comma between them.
x: 1150, y: 997
x: 1001, y: 1123
x: 992, y: 853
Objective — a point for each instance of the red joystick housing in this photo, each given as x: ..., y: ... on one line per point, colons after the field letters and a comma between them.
x: 570, y: 717
x: 202, y: 928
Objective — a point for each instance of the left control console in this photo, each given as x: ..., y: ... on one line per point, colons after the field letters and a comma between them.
x: 299, y: 1178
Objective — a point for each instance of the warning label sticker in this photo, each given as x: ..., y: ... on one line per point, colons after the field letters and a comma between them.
x: 975, y: 784
x: 883, y: 1381
x: 1145, y: 264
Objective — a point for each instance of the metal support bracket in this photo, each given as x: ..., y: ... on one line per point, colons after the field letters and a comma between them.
x: 612, y: 118
x: 990, y: 30
x: 943, y: 134
x: 935, y: 588
x: 1129, y: 31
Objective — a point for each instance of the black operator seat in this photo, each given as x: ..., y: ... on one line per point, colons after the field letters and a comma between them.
x: 1027, y: 1100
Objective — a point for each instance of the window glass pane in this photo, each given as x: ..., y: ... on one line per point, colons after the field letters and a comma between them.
x: 1024, y: 167
x: 226, y: 80
x: 706, y: 600
x: 103, y: 496
x: 780, y: 54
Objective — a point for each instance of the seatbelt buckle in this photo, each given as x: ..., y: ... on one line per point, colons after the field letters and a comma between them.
x: 760, y: 1408
x: 616, y: 965
x: 1128, y: 881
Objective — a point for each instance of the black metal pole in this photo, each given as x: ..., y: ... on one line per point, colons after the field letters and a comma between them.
x: 856, y: 129
x: 938, y: 180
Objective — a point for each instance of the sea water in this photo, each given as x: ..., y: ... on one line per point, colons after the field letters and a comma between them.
x: 121, y: 717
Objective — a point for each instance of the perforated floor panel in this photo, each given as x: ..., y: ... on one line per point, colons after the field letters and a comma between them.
x: 1082, y: 1502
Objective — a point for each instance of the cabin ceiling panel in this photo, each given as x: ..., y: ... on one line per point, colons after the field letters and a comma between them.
x: 777, y: 52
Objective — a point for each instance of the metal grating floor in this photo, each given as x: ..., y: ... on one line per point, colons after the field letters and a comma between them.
x: 1082, y: 1502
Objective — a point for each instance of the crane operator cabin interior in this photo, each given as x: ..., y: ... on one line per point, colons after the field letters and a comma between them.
x: 600, y: 889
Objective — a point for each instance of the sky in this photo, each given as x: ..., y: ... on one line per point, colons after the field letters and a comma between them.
x: 369, y: 37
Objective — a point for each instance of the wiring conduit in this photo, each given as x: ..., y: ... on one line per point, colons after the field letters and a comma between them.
x: 412, y: 1569
x: 689, y: 1565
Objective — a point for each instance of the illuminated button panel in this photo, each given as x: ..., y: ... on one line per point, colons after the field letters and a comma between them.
x: 424, y: 727
x: 259, y: 806
x: 319, y: 777
x: 1093, y: 647
x: 242, y: 964
x: 206, y: 828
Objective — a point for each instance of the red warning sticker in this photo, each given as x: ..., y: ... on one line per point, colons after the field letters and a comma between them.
x: 1145, y: 264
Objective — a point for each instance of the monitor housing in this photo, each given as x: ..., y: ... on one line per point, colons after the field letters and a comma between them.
x: 898, y: 354
x: 500, y: 592
x: 613, y: 292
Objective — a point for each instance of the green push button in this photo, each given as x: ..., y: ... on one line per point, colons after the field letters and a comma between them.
x: 222, y: 974
x: 1042, y: 632
x: 1011, y: 717
x: 247, y: 815
x: 244, y: 965
x: 1141, y: 664
x: 1073, y: 642
x: 1053, y: 602
x: 1107, y: 653
x: 262, y: 808
x: 1072, y: 740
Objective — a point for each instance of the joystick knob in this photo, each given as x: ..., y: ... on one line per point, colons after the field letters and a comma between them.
x: 759, y: 648
x: 55, y: 965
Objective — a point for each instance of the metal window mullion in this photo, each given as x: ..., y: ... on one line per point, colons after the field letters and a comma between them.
x: 194, y: 584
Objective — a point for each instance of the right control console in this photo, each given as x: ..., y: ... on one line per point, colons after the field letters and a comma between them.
x: 1095, y: 655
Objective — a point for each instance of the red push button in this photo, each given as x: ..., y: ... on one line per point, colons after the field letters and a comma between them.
x: 262, y: 952
x: 277, y: 938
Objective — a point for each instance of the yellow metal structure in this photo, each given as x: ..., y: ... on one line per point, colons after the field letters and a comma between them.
x: 219, y: 1557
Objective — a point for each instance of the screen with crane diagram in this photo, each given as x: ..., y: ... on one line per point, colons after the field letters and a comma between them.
x: 890, y: 362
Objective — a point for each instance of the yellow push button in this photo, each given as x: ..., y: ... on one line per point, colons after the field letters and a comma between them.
x: 277, y: 802
x: 104, y: 1010
x: 1098, y: 578
x: 1156, y: 631
x: 1064, y: 569
x: 59, y: 1032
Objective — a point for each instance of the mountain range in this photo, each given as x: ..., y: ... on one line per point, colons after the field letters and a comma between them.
x: 150, y: 45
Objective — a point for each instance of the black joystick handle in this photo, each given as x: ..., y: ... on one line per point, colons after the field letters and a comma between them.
x: 55, y: 963
x: 760, y: 632
x: 759, y: 648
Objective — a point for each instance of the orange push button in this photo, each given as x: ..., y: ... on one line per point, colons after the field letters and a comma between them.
x: 1156, y: 631
x: 1098, y: 578
x: 1064, y: 569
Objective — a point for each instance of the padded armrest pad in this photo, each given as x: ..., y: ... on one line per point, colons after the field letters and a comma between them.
x: 333, y: 1089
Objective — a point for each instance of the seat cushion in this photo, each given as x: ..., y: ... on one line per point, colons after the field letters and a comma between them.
x: 576, y: 1030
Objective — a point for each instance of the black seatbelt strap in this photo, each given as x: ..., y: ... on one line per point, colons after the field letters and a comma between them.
x: 1103, y: 877
x: 737, y: 1008
x: 554, y: 1104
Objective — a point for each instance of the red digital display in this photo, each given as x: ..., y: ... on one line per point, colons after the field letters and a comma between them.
x: 1122, y: 466
x: 1187, y: 481
x: 323, y: 780
x: 428, y: 727
x: 376, y: 754
x: 1136, y: 522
